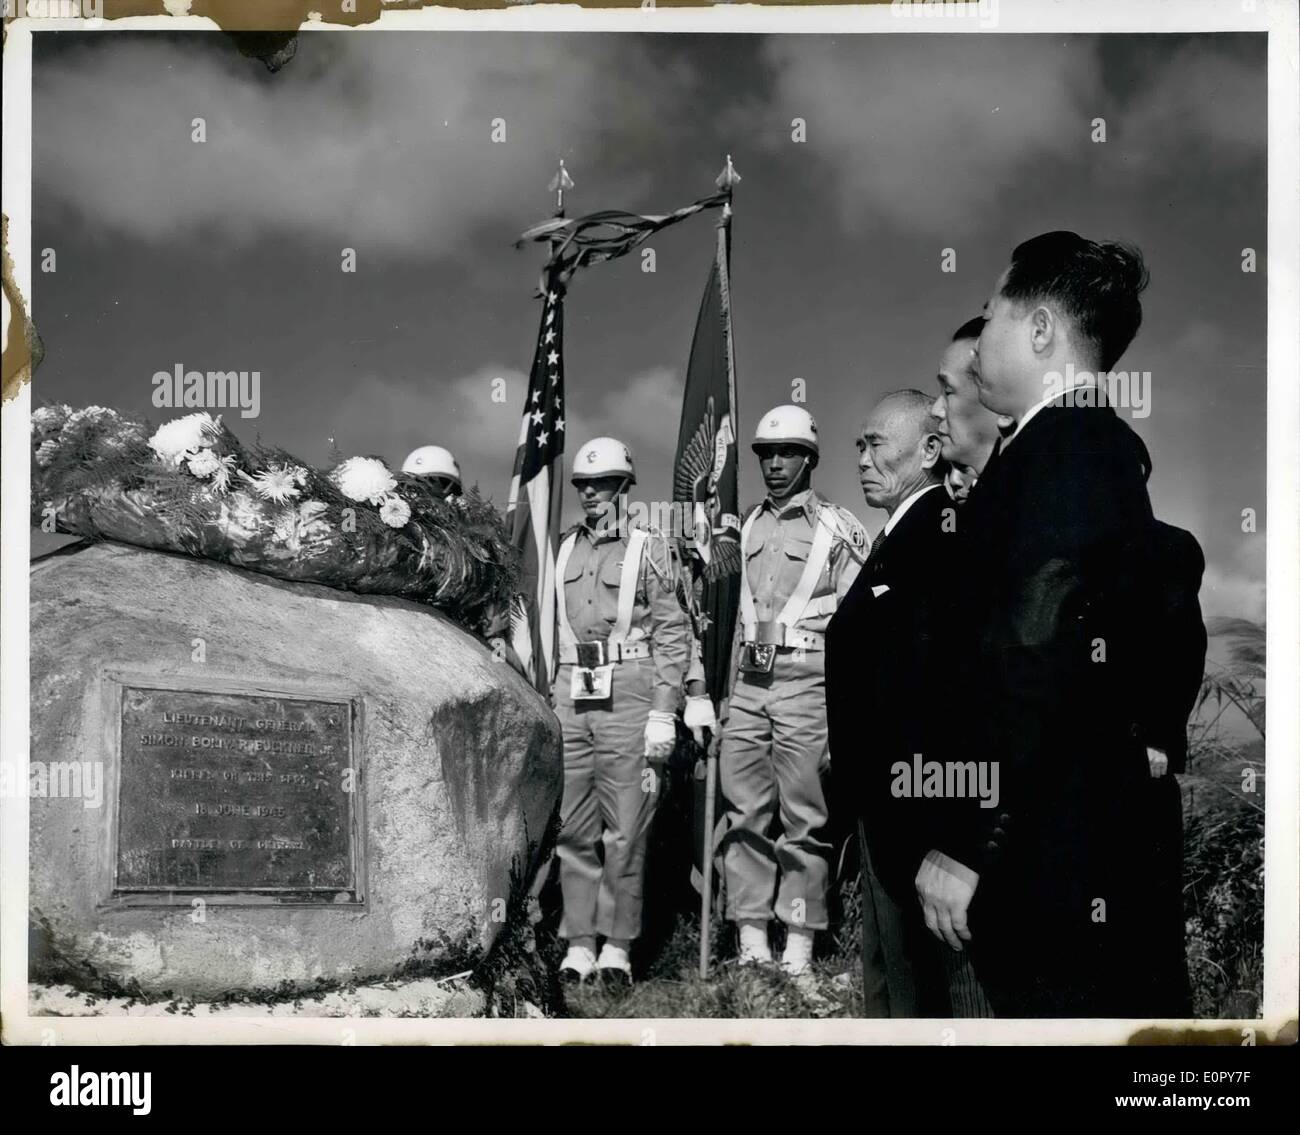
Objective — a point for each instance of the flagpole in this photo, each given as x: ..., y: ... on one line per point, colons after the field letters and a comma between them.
x: 552, y: 288
x: 726, y: 181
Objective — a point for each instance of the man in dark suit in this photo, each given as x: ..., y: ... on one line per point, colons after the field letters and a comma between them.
x: 968, y: 430
x: 1049, y: 890
x: 879, y: 679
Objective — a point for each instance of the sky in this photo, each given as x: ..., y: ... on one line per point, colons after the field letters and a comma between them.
x: 226, y: 254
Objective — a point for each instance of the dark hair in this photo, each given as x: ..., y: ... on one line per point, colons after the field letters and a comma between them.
x: 1095, y: 284
x: 971, y: 329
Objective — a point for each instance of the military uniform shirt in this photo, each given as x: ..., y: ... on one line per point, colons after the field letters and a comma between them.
x: 591, y: 586
x: 779, y: 544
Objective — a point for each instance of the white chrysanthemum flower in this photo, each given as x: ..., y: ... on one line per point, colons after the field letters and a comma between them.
x: 248, y: 516
x: 395, y: 512
x: 274, y: 483
x: 286, y: 528
x: 294, y: 527
x: 45, y: 452
x: 225, y: 470
x: 175, y: 440
x: 48, y: 417
x: 364, y: 479
x: 89, y: 413
x: 204, y: 463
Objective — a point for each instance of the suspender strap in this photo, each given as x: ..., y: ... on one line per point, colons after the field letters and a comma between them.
x: 563, y: 629
x: 627, y: 584
x: 796, y: 606
x: 748, y: 619
x: 626, y: 587
x: 820, y: 552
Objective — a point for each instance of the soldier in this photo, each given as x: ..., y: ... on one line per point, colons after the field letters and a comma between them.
x: 800, y: 555
x: 623, y: 652
x: 437, y: 466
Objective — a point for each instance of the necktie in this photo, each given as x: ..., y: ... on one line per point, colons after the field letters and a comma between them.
x: 875, y: 545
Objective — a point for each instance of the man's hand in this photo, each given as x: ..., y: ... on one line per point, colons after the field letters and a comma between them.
x: 660, y: 735
x: 699, y: 716
x: 945, y: 888
x: 1158, y: 759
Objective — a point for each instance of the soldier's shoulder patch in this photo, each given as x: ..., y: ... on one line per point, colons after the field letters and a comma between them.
x: 659, y: 557
x: 847, y: 527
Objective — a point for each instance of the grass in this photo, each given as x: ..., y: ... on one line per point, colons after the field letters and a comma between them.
x: 672, y: 987
x: 1223, y: 816
x: 1223, y: 889
x: 1223, y: 801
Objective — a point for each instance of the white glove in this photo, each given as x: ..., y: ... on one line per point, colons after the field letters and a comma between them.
x: 1158, y: 760
x: 660, y: 735
x: 699, y: 716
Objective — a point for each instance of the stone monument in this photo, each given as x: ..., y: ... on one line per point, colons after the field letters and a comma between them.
x: 241, y: 784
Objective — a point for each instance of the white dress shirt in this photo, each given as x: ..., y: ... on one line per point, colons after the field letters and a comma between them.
x: 902, y: 508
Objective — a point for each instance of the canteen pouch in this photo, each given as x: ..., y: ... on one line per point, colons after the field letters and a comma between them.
x: 757, y: 657
x: 592, y: 683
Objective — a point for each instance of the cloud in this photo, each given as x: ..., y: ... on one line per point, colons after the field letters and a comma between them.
x: 1196, y: 99
x: 928, y: 130
x: 362, y: 141
x: 1232, y: 594
x: 1235, y: 587
x: 389, y: 417
x: 645, y: 413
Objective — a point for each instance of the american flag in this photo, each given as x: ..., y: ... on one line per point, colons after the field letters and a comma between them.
x: 533, y: 512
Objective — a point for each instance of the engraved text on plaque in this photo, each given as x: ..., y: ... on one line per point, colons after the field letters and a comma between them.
x: 235, y: 792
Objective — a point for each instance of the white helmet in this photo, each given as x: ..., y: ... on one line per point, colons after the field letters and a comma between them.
x: 787, y: 425
x: 432, y: 461
x: 603, y: 457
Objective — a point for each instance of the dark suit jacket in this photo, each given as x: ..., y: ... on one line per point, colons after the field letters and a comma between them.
x: 882, y: 690
x: 1061, y: 919
x: 880, y: 701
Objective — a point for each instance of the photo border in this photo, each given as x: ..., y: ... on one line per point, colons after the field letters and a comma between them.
x: 1277, y: 1021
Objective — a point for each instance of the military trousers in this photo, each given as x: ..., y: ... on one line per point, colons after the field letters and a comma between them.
x: 770, y: 766
x: 610, y: 793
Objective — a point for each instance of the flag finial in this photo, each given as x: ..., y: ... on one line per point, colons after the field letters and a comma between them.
x: 559, y: 183
x: 728, y: 177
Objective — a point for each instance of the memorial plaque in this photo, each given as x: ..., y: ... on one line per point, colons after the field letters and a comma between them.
x: 234, y: 792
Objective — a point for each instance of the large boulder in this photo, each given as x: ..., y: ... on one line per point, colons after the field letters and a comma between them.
x: 240, y: 783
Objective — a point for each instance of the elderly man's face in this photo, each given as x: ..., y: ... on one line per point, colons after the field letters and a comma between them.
x: 891, y: 457
x: 967, y: 428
